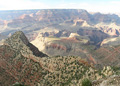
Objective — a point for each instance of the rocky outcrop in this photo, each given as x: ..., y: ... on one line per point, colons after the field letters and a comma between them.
x: 20, y: 61
x: 20, y: 43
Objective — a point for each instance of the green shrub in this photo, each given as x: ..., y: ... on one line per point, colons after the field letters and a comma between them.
x: 17, y: 84
x: 86, y: 82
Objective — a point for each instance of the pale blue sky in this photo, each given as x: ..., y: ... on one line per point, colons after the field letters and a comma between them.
x: 104, y: 6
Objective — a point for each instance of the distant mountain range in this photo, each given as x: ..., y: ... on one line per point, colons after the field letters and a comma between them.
x: 61, y: 13
x: 34, y: 20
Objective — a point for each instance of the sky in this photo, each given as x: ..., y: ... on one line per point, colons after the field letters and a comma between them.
x: 103, y: 6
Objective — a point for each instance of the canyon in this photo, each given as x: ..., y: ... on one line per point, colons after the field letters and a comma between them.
x: 50, y: 47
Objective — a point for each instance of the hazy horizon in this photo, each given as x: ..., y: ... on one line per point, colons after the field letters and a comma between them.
x: 103, y: 6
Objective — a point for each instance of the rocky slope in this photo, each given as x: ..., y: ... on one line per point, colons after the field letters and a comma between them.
x: 17, y: 58
x: 15, y: 67
x: 20, y: 43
